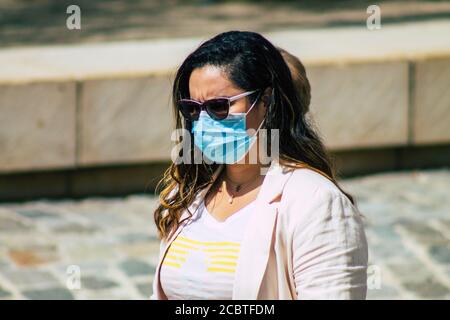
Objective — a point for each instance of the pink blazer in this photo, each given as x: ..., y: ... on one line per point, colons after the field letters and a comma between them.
x: 306, y: 241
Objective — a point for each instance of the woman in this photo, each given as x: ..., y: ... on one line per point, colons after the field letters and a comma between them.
x: 233, y: 228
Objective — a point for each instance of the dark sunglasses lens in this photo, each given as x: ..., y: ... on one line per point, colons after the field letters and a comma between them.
x: 217, y: 108
x: 189, y: 109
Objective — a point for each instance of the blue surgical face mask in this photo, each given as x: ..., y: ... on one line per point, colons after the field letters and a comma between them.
x: 223, y: 141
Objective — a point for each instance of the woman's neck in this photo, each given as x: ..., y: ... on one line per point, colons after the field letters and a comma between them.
x: 242, y: 173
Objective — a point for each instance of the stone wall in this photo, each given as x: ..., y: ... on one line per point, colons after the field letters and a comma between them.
x: 109, y: 104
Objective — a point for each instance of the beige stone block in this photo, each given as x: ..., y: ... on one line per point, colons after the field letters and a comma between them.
x: 360, y: 105
x: 431, y: 113
x: 125, y: 120
x: 37, y: 126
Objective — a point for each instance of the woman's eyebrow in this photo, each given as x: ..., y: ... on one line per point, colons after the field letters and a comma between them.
x: 213, y: 97
x: 227, y: 95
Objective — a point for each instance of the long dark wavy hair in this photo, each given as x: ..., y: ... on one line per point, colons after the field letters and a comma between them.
x: 250, y: 62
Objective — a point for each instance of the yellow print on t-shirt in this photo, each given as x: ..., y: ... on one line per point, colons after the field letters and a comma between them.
x: 220, y: 256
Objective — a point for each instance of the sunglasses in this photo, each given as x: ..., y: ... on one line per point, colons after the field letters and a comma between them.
x: 217, y: 108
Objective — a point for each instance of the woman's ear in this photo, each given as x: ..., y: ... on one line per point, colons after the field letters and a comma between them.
x: 267, y: 97
x: 266, y: 101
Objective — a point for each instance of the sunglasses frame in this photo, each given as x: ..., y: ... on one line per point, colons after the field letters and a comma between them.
x: 203, y: 105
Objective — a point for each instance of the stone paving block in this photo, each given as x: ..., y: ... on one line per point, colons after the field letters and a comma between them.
x: 138, y: 250
x: 145, y: 289
x: 440, y: 253
x: 33, y: 255
x: 125, y: 120
x: 386, y: 232
x: 432, y: 101
x: 4, y: 262
x: 37, y: 214
x: 134, y: 267
x: 429, y: 288
x: 97, y: 283
x: 12, y: 224
x: 86, y: 267
x: 385, y: 292
x: 30, y: 278
x: 424, y: 233
x: 350, y: 104
x: 85, y: 252
x: 75, y: 228
x: 93, y: 275
x: 37, y: 126
x: 118, y: 293
x: 4, y: 293
x: 377, y: 249
x: 408, y: 269
x: 446, y: 223
x: 374, y: 211
x: 105, y: 219
x: 137, y: 237
x: 49, y: 294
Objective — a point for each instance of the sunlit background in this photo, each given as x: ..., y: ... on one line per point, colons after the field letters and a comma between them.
x: 86, y: 121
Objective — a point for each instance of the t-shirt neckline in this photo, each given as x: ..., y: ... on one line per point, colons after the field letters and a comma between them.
x: 209, y: 217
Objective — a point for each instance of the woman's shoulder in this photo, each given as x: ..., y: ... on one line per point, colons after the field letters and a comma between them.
x: 311, y: 196
x: 308, y: 182
x: 309, y: 189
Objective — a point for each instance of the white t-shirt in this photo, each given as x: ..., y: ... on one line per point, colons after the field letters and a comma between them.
x: 201, y: 261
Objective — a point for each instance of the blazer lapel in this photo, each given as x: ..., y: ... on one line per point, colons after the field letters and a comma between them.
x: 257, y: 241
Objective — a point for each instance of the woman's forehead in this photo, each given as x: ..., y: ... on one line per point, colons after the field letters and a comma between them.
x: 209, y: 82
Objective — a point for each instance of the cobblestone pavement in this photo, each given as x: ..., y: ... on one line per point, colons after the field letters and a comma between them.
x: 111, y: 244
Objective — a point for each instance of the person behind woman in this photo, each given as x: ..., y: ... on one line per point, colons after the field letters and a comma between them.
x: 298, y: 74
x: 232, y: 228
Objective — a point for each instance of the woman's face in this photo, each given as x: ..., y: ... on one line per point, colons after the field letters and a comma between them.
x: 210, y: 82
